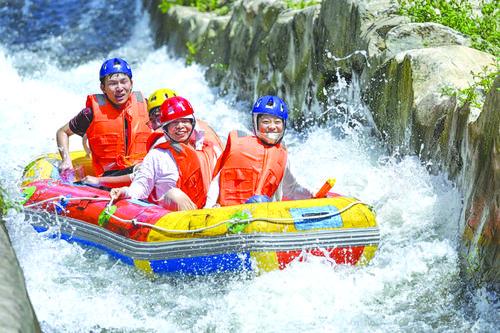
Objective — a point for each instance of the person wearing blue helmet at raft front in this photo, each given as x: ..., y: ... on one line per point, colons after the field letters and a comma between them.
x: 256, y: 168
x: 115, y: 123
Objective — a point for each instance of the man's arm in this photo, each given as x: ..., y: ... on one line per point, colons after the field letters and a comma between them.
x: 78, y: 125
x: 62, y: 138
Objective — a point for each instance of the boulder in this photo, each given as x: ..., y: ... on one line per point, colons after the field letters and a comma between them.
x: 410, y: 103
x: 16, y: 311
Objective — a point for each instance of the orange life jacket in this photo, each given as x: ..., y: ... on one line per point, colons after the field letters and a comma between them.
x: 153, y: 138
x: 210, y: 135
x: 193, y: 166
x: 207, y: 156
x: 248, y: 167
x: 117, y: 136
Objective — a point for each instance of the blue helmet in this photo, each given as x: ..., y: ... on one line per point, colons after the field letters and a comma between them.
x: 272, y: 105
x: 258, y: 198
x: 113, y: 66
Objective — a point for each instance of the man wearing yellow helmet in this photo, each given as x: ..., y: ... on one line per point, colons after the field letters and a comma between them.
x: 155, y: 100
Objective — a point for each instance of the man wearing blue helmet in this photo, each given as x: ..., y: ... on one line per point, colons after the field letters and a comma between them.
x: 256, y: 166
x: 115, y: 123
x: 269, y: 119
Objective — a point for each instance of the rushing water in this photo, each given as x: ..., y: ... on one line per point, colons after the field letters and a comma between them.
x: 49, y: 59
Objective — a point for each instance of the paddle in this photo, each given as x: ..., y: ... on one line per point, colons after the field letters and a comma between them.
x: 327, y: 186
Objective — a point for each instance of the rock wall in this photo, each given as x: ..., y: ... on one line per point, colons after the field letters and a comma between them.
x: 263, y: 48
x: 481, y: 176
x: 259, y: 49
x: 16, y: 311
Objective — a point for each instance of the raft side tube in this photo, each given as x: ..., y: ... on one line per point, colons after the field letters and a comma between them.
x: 255, y: 242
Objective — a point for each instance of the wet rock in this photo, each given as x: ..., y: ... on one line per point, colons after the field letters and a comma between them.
x: 16, y: 311
x: 481, y: 179
x: 408, y: 99
x: 422, y: 35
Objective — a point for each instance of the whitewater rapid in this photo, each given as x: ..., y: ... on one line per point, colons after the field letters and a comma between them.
x: 412, y: 285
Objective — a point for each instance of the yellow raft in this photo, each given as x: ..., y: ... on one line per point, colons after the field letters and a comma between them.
x: 257, y: 236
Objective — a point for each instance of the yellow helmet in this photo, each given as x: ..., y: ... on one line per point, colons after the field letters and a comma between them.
x: 157, y: 98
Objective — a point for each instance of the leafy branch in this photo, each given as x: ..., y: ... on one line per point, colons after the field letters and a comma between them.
x: 481, y: 24
x: 301, y: 4
x: 221, y: 7
x: 474, y: 94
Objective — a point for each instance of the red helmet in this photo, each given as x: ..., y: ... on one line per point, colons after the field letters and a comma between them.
x: 174, y: 108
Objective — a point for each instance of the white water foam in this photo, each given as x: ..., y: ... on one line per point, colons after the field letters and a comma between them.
x: 412, y: 284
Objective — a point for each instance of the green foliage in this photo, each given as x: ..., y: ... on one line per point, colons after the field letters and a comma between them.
x: 220, y: 67
x: 301, y: 4
x: 192, y: 51
x: 221, y: 7
x: 460, y: 15
x: 6, y: 203
x: 473, y: 95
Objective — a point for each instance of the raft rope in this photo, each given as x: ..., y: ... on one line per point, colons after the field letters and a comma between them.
x: 135, y: 222
x: 62, y: 197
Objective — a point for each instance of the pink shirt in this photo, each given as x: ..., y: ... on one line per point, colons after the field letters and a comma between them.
x: 159, y: 171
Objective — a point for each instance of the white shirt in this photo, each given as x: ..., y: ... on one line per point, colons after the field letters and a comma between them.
x: 159, y: 171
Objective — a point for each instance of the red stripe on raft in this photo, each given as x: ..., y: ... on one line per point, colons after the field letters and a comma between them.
x: 89, y: 210
x: 341, y: 255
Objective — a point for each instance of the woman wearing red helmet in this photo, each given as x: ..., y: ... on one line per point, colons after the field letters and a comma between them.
x: 176, y: 173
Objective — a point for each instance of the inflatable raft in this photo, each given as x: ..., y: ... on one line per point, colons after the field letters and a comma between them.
x: 257, y: 236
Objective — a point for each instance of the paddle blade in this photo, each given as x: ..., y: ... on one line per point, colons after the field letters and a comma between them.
x: 327, y: 186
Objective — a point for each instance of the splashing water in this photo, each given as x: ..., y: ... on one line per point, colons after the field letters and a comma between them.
x: 412, y: 284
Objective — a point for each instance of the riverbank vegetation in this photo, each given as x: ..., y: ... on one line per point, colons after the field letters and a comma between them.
x: 5, y: 202
x: 301, y: 4
x: 222, y: 7
x: 475, y: 93
x: 479, y: 22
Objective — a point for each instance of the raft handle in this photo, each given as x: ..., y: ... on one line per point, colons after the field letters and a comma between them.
x: 327, y: 186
